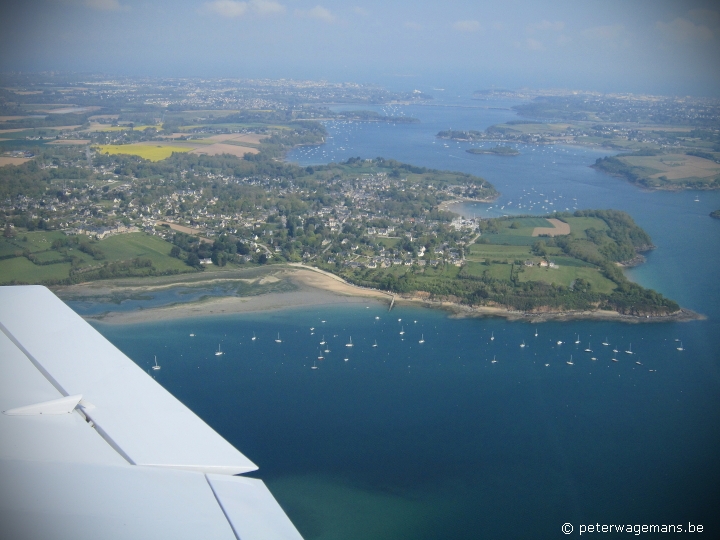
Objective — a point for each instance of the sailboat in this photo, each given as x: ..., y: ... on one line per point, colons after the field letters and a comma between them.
x: 218, y: 352
x: 493, y: 361
x: 629, y: 351
x: 492, y: 336
x: 314, y: 366
x: 522, y: 345
x: 156, y: 367
x: 588, y: 348
x: 349, y: 344
x: 375, y: 344
x: 697, y: 199
x: 254, y: 338
x: 402, y: 330
x: 606, y: 343
x: 321, y: 357
x: 559, y: 342
x: 323, y: 341
x: 577, y: 340
x: 422, y: 338
x: 536, y: 334
x: 570, y: 362
x: 278, y: 340
x: 680, y: 348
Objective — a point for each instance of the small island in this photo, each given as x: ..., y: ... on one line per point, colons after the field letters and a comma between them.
x: 497, y: 151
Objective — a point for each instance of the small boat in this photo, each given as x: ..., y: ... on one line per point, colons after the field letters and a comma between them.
x: 570, y: 362
x: 697, y: 199
x: 323, y: 341
x: 492, y: 336
x: 321, y: 357
x: 399, y: 320
x: 377, y: 318
x: 346, y: 359
x: 254, y: 338
x: 559, y: 342
x: 375, y: 344
x: 638, y: 363
x: 606, y: 343
x: 680, y: 348
x: 614, y: 359
x: 192, y: 335
x: 422, y: 338
x: 156, y: 367
x: 593, y: 358
x: 402, y: 330
x: 536, y: 334
x: 313, y: 328
x: 629, y: 351
x: 314, y: 366
x: 547, y: 365
x: 577, y: 340
x: 522, y: 345
x: 278, y: 340
x: 588, y: 348
x: 218, y: 352
x: 493, y: 361
x: 349, y: 344
x: 615, y: 350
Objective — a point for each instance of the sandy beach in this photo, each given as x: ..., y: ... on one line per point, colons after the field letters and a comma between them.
x: 296, y: 286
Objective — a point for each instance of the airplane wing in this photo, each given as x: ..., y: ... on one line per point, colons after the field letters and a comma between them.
x: 91, y: 447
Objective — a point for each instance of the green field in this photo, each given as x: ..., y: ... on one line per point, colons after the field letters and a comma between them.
x: 145, y: 151
x: 565, y: 275
x: 123, y: 247
x: 21, y: 270
x: 578, y: 225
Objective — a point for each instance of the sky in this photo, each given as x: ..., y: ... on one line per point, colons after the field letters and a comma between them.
x: 663, y: 47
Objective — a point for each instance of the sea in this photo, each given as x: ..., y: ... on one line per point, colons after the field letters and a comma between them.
x: 434, y: 427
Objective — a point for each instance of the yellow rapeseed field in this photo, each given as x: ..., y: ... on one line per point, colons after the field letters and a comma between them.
x: 146, y: 151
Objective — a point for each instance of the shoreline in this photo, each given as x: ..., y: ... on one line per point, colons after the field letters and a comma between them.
x: 313, y: 287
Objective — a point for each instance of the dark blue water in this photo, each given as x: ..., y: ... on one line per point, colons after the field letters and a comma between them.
x: 434, y: 440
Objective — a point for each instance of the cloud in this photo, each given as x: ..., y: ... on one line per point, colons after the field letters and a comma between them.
x: 685, y: 31
x: 609, y: 32
x: 233, y: 8
x: 103, y: 5
x: 318, y: 12
x: 707, y: 16
x: 530, y: 44
x: 546, y: 26
x: 467, y: 26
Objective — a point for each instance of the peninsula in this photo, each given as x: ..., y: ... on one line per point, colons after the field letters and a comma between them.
x: 151, y: 192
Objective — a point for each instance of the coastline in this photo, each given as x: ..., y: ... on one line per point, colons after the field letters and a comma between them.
x: 445, y: 205
x: 314, y: 287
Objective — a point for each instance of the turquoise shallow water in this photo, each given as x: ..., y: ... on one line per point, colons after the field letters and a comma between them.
x: 433, y: 440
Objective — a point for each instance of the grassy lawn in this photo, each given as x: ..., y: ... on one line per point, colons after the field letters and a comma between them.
x: 38, y: 240
x: 123, y: 247
x: 388, y: 242
x: 565, y: 275
x: 21, y: 270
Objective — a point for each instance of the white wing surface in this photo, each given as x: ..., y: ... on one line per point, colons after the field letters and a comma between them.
x: 91, y: 447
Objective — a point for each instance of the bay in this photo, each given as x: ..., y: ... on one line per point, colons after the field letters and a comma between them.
x: 434, y: 440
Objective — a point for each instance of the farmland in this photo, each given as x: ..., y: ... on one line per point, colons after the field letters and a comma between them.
x: 150, y: 152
